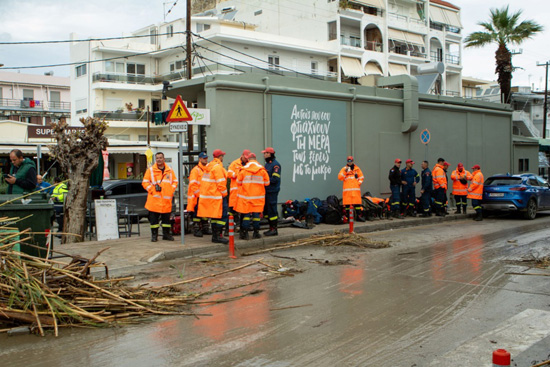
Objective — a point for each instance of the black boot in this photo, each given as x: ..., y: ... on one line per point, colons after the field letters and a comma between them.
x: 464, y: 209
x: 457, y: 209
x: 272, y: 229
x: 197, y: 232
x: 479, y: 216
x: 216, y: 236
x: 166, y: 234
x: 243, y: 234
x: 256, y: 233
x: 205, y: 227
x: 154, y: 234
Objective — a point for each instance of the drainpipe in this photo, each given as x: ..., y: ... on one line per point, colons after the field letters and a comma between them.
x: 266, y: 81
x: 354, y: 91
x: 410, y: 98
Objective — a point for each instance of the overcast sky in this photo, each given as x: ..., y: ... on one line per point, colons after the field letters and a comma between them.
x: 55, y: 19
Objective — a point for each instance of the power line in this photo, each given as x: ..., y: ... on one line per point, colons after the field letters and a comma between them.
x: 222, y: 64
x: 87, y: 61
x: 85, y: 40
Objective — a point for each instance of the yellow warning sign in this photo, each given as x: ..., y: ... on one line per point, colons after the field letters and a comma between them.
x: 179, y: 112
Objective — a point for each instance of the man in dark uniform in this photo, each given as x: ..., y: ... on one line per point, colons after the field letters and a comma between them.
x: 426, y: 190
x: 273, y: 169
x: 409, y: 179
x: 395, y: 186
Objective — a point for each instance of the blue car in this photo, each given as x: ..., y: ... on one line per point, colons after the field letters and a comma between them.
x: 526, y: 193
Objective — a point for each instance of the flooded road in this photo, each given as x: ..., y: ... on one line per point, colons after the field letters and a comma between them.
x: 438, y: 296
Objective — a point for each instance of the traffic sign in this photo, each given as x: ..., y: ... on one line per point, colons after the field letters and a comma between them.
x: 179, y: 112
x: 178, y: 127
x: 425, y: 136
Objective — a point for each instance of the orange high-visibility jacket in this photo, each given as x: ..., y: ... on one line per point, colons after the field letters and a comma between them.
x: 375, y: 200
x: 232, y: 173
x: 438, y: 177
x: 475, y: 191
x: 458, y: 187
x: 352, y: 190
x: 251, y: 180
x: 213, y: 189
x: 195, y: 178
x: 159, y: 202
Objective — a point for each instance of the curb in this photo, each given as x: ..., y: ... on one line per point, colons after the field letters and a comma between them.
x: 271, y: 242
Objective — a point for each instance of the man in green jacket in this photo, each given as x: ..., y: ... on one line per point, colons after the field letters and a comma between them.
x: 22, y: 177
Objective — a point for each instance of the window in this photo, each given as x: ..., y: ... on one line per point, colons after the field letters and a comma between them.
x: 81, y: 105
x: 153, y: 36
x: 119, y: 189
x: 273, y: 62
x: 202, y: 27
x: 80, y: 70
x: 1, y: 93
x: 114, y: 67
x: 28, y: 94
x: 314, y: 67
x: 258, y: 12
x: 55, y: 99
x: 136, y: 188
x: 177, y: 66
x: 170, y: 31
x: 141, y: 104
x: 523, y: 165
x: 137, y: 69
x: 331, y: 31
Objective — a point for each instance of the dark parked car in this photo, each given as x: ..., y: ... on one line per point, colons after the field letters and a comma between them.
x: 526, y: 193
x: 128, y: 193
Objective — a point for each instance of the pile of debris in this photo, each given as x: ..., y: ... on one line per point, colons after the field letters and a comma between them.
x: 336, y: 239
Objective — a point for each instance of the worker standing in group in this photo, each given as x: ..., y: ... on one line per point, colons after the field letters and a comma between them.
x: 409, y: 179
x: 475, y: 191
x: 273, y: 169
x: 252, y: 181
x: 460, y: 179
x: 352, y: 176
x: 213, y: 194
x: 200, y: 225
x: 395, y: 187
x: 440, y: 187
x: 160, y: 182
x: 232, y: 173
x: 59, y: 191
x: 426, y: 190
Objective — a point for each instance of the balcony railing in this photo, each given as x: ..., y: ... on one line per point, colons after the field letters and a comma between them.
x: 24, y: 104
x: 137, y: 79
x: 436, y: 56
x: 444, y: 27
x: 373, y: 46
x: 350, y: 41
x: 452, y: 59
x: 406, y: 19
x: 123, y: 116
x: 452, y: 93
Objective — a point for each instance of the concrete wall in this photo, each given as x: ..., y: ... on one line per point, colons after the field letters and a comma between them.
x: 461, y: 131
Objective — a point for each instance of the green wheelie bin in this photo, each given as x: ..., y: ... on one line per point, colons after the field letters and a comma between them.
x: 34, y: 212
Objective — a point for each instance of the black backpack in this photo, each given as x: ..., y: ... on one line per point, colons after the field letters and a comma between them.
x: 332, y: 210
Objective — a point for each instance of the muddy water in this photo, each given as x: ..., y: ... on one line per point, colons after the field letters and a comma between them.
x: 402, y: 306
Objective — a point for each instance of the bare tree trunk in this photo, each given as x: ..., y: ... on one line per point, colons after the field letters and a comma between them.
x: 75, y: 207
x: 504, y: 70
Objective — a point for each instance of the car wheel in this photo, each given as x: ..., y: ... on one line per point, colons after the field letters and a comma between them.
x: 531, y: 211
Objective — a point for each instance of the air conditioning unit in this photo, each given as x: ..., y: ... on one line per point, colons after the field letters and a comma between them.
x: 228, y: 9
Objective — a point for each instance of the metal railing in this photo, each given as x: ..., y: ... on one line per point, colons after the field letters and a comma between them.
x: 452, y: 93
x: 444, y: 27
x: 452, y: 59
x: 122, y: 116
x: 373, y: 46
x: 406, y: 19
x: 9, y: 103
x: 350, y: 41
x: 436, y: 56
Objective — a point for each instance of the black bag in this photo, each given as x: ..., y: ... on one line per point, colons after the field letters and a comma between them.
x: 333, y: 211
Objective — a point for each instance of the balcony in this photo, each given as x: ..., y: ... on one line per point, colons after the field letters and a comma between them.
x: 373, y: 46
x: 352, y: 41
x: 444, y: 27
x: 121, y: 116
x: 34, y: 105
x: 452, y: 59
x: 436, y: 56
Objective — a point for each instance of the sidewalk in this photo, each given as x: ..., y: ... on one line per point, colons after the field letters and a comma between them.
x: 125, y: 254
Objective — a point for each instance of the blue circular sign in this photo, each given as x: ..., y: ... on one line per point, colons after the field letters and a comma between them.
x: 425, y: 136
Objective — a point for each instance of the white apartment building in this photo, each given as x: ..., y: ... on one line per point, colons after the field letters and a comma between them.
x: 348, y: 41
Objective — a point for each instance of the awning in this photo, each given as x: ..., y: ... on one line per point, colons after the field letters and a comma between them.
x: 351, y: 67
x: 397, y: 69
x: 374, y: 3
x: 543, y: 160
x: 445, y: 16
x: 372, y: 68
x: 406, y: 37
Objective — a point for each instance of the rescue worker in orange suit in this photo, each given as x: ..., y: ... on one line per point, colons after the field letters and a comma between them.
x: 460, y: 179
x: 252, y: 181
x: 200, y: 225
x: 352, y: 176
x: 213, y: 194
x: 395, y: 187
x: 232, y: 173
x: 475, y: 191
x: 274, y: 171
x: 409, y: 180
x: 440, y: 187
x: 160, y: 182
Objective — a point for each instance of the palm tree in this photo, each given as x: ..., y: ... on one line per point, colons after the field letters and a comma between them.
x: 503, y: 29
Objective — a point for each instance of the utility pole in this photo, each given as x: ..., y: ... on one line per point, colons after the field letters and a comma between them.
x: 190, y: 144
x: 545, y: 118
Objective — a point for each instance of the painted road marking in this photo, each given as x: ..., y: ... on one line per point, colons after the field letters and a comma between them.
x: 515, y: 335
